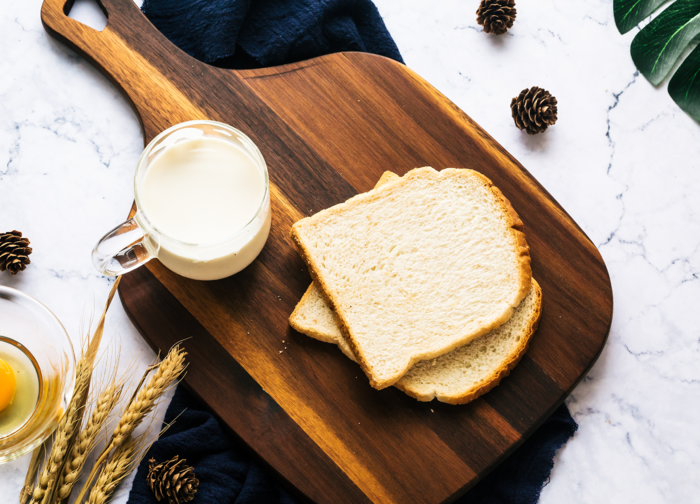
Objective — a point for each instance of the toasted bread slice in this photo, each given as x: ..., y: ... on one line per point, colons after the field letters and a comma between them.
x: 417, y: 267
x: 456, y: 377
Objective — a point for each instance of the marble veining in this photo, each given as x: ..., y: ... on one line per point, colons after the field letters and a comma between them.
x: 622, y: 159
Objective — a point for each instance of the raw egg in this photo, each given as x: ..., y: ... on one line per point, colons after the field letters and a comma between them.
x: 8, y: 385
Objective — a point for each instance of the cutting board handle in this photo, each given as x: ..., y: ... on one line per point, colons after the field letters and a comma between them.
x: 80, y: 37
x: 130, y: 52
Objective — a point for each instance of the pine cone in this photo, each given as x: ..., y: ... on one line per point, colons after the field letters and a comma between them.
x: 14, y: 252
x: 533, y: 110
x: 172, y: 480
x: 496, y: 16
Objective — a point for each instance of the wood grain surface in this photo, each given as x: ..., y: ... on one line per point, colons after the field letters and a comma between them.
x: 328, y: 128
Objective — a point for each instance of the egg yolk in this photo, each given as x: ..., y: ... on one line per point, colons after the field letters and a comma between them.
x: 8, y: 385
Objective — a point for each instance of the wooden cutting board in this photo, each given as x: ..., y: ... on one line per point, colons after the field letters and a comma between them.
x: 328, y: 128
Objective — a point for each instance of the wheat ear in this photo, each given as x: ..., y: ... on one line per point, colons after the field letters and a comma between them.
x: 68, y: 426
x: 34, y: 465
x: 169, y: 370
x: 112, y: 474
x: 167, y: 373
x: 86, y: 440
x: 43, y: 492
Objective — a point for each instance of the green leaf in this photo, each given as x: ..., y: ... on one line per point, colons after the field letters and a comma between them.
x: 629, y: 13
x: 657, y: 47
x: 684, y: 87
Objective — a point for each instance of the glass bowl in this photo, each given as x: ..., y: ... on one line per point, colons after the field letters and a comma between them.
x: 31, y: 328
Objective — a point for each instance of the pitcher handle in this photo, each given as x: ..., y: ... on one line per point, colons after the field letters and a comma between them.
x: 122, y: 249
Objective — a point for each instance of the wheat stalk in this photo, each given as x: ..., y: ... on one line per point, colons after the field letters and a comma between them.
x: 87, y: 439
x: 167, y: 373
x: 68, y: 426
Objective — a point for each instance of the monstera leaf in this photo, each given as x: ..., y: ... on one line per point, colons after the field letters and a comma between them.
x: 659, y: 45
x: 628, y: 13
x: 684, y: 87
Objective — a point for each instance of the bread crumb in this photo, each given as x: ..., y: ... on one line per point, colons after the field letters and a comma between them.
x: 281, y: 351
x: 432, y: 411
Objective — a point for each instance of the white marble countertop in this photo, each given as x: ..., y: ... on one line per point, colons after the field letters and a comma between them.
x: 622, y: 159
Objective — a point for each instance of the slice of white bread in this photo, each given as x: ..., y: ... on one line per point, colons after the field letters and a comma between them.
x: 417, y: 267
x: 456, y: 377
x: 312, y: 315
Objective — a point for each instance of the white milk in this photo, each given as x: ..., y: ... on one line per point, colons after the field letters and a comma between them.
x: 199, y: 194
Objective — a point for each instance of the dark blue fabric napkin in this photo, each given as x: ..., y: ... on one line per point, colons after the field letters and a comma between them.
x: 249, y: 34
x: 262, y: 33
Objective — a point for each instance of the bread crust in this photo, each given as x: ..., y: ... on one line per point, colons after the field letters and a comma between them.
x: 520, y: 244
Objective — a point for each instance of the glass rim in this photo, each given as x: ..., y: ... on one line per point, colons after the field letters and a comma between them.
x: 141, y: 214
x: 67, y: 390
x: 52, y: 315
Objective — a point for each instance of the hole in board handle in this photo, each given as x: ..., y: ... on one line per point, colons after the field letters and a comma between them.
x: 89, y: 13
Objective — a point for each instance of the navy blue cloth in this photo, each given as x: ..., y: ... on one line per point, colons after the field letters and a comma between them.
x: 262, y: 33
x: 250, y: 34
